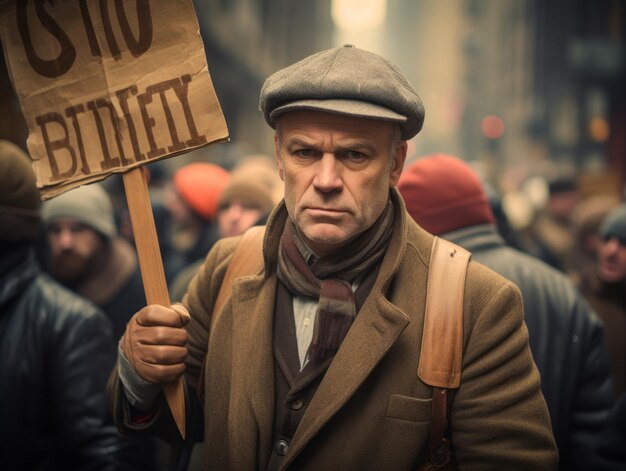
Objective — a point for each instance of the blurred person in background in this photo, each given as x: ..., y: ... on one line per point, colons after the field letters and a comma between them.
x: 253, y: 190
x: 192, y: 199
x: 586, y: 219
x: 157, y: 178
x: 444, y: 196
x: 85, y: 253
x: 605, y: 288
x: 510, y: 234
x: 56, y: 349
x: 552, y: 230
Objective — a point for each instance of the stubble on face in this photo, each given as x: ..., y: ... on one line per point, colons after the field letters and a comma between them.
x: 612, y: 262
x: 332, y: 207
x: 69, y: 266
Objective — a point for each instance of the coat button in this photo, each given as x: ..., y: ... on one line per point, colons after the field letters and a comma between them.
x: 297, y: 404
x: 281, y: 447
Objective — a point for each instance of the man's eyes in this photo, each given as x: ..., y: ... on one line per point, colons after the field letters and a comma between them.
x: 72, y: 230
x: 305, y: 153
x: 354, y: 155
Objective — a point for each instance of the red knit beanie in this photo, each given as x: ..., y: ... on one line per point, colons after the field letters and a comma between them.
x: 200, y: 185
x: 442, y: 193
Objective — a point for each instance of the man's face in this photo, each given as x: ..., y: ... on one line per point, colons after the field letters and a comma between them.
x: 236, y: 217
x: 72, y: 248
x: 337, y: 172
x: 612, y: 260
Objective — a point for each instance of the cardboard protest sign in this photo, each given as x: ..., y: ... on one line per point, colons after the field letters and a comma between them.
x: 108, y: 85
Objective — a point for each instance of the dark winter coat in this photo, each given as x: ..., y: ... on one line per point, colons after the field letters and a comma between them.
x: 566, y: 339
x: 611, y: 452
x: 56, y: 351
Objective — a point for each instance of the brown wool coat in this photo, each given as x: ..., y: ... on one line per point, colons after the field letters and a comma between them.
x: 371, y: 411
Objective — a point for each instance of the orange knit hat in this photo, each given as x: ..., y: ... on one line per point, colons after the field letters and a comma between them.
x: 200, y: 185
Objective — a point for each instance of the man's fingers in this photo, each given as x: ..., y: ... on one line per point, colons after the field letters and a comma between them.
x: 182, y: 311
x: 155, y: 342
x: 155, y: 315
x: 161, y: 355
x: 159, y: 335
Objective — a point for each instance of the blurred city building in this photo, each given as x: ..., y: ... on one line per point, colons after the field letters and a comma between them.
x: 505, y: 82
x: 553, y: 72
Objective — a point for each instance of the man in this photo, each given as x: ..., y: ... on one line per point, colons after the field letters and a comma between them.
x: 191, y: 199
x: 552, y: 230
x: 444, y: 196
x: 250, y: 195
x: 605, y: 288
x: 56, y: 349
x: 87, y: 255
x: 312, y: 364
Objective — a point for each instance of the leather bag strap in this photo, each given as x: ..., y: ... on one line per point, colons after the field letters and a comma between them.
x: 247, y: 260
x: 442, y: 342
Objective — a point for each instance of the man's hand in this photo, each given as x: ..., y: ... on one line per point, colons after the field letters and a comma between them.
x: 155, y: 342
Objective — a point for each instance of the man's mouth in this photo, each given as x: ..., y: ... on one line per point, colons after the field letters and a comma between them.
x: 323, y: 211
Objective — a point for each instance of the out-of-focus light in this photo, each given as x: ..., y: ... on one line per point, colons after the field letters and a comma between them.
x: 537, y: 192
x: 357, y: 15
x: 599, y: 129
x: 518, y: 209
x: 492, y: 126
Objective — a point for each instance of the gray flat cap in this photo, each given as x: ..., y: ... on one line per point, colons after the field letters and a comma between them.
x: 344, y: 80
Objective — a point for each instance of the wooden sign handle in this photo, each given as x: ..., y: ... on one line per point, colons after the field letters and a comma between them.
x: 152, y: 273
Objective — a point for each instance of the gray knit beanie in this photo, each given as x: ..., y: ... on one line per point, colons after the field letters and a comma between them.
x: 614, y: 224
x: 90, y: 205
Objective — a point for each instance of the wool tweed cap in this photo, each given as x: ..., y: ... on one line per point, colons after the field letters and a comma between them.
x: 442, y: 194
x: 89, y: 204
x: 344, y: 80
x: 614, y: 224
x: 19, y: 197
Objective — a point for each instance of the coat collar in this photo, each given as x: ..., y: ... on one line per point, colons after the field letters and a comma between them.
x: 476, y: 238
x: 377, y: 326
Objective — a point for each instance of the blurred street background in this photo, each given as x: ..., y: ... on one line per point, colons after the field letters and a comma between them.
x: 525, y: 90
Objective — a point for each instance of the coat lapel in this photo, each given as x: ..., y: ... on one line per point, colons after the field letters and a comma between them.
x: 253, y: 363
x: 376, y: 328
x: 374, y: 331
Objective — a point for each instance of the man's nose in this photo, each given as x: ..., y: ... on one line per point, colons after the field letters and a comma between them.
x: 65, y: 239
x: 612, y: 245
x: 234, y: 211
x: 328, y: 177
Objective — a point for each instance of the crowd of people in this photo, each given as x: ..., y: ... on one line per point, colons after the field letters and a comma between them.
x: 312, y: 361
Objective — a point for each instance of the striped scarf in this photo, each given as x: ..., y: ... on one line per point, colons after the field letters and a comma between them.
x: 330, y: 278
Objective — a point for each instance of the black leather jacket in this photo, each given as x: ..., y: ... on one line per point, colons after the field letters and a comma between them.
x: 56, y: 351
x: 566, y: 339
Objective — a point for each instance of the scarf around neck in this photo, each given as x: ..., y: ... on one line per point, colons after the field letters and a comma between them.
x: 329, y: 278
